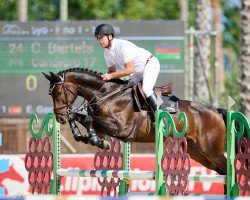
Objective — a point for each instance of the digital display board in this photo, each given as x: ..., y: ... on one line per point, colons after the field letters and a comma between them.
x: 27, y: 49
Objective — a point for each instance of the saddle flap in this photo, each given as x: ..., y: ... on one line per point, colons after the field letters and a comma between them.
x: 165, y: 100
x: 164, y: 89
x: 139, y: 97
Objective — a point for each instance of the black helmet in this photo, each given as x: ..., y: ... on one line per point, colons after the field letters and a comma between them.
x: 104, y: 29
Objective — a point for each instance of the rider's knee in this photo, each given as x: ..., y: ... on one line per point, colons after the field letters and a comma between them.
x: 147, y: 90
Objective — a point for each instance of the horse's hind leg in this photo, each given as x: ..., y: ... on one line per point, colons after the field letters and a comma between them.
x: 196, y: 154
x: 219, y: 163
x: 216, y: 156
x: 214, y: 152
x: 220, y: 166
x: 215, y: 163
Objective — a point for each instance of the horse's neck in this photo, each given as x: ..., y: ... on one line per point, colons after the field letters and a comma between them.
x: 89, y: 86
x: 98, y: 92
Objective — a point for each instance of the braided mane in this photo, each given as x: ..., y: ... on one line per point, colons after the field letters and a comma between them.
x: 89, y: 71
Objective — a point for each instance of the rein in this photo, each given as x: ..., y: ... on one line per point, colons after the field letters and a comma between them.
x: 68, y: 105
x: 90, y: 103
x: 107, y: 96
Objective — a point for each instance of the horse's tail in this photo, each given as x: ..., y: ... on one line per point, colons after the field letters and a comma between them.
x: 223, y: 112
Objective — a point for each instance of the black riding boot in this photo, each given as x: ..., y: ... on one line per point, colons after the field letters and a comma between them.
x: 152, y: 102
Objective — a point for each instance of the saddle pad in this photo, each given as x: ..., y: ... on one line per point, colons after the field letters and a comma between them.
x: 170, y: 104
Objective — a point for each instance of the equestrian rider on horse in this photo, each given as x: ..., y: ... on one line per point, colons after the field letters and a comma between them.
x: 134, y: 61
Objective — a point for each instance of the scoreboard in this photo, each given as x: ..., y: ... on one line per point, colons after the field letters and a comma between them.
x: 27, y: 49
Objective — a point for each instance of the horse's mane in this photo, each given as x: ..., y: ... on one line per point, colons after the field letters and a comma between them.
x: 84, y: 70
x: 89, y: 71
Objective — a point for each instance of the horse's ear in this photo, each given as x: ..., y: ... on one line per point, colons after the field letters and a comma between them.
x: 56, y: 78
x: 47, y: 76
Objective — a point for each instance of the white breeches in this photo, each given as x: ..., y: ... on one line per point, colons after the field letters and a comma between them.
x: 148, y: 76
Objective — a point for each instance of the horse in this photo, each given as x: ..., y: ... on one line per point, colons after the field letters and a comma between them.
x: 111, y: 109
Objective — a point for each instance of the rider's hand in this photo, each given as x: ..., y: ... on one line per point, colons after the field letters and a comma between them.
x: 106, y: 77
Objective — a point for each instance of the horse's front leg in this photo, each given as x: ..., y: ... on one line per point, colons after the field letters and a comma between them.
x: 93, y: 137
x: 78, y: 136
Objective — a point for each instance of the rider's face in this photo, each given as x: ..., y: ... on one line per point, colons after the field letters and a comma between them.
x: 103, y: 40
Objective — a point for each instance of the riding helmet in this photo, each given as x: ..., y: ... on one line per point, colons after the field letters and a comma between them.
x: 104, y: 29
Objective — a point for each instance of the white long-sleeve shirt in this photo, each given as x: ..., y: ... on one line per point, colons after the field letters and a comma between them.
x: 123, y: 51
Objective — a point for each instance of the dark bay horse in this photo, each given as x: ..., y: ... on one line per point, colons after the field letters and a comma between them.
x: 110, y: 109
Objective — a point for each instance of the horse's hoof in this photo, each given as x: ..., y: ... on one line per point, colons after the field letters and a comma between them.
x: 106, y: 145
x: 103, y: 145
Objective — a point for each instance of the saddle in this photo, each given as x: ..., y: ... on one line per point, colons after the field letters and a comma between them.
x: 164, y: 98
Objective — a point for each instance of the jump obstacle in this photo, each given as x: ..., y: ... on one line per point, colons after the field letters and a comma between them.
x: 168, y: 175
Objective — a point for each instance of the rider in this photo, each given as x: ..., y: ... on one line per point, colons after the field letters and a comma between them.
x: 134, y: 61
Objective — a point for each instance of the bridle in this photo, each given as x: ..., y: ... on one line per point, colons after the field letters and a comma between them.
x: 68, y: 105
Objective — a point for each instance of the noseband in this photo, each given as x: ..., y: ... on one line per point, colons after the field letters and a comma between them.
x: 68, y: 105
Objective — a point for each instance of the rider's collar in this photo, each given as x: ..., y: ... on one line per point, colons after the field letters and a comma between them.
x: 113, y: 44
